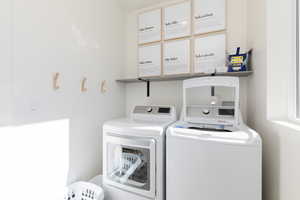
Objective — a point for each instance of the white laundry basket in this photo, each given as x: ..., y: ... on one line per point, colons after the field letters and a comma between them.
x: 80, y: 190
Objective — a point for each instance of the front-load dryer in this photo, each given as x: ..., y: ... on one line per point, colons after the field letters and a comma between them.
x: 211, y: 153
x: 134, y: 154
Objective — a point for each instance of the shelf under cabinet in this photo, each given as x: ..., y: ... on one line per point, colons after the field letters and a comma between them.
x: 183, y: 77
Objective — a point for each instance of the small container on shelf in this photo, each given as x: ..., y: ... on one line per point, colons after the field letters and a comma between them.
x: 239, y: 62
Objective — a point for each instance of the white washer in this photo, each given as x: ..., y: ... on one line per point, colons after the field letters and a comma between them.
x: 134, y: 154
x: 210, y: 153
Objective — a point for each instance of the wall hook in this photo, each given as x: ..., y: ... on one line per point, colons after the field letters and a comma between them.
x: 103, y: 87
x: 83, y: 87
x: 55, y: 81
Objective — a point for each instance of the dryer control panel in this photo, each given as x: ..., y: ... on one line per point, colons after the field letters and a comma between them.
x: 154, y: 113
x: 152, y: 110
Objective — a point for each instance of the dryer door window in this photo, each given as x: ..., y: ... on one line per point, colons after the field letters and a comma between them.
x: 129, y: 165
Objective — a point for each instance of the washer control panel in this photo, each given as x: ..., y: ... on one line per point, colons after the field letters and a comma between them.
x: 216, y: 114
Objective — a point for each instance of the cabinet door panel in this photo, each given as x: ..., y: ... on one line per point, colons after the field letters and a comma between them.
x: 150, y: 60
x: 177, y: 57
x: 209, y: 15
x: 210, y: 54
x: 149, y: 26
x: 177, y: 21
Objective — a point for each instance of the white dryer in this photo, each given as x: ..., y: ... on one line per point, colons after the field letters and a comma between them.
x: 211, y: 153
x: 134, y: 154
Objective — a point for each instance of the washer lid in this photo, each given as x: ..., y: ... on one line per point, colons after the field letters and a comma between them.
x: 215, y: 133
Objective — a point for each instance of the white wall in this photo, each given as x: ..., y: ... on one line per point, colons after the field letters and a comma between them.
x: 270, y: 34
x: 76, y: 38
x: 171, y: 92
x: 5, y: 61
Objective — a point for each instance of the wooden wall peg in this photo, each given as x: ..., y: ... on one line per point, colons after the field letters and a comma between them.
x: 55, y: 81
x: 83, y: 87
x: 103, y: 87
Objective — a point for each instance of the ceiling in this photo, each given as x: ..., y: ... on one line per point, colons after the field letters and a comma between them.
x: 131, y: 5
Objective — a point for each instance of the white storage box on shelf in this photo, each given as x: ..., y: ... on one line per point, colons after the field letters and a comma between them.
x: 149, y: 26
x: 209, y: 16
x: 210, y: 54
x: 150, y: 60
x: 177, y: 21
x: 176, y: 57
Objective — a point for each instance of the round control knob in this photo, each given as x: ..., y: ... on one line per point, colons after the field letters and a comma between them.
x: 149, y: 109
x: 205, y: 111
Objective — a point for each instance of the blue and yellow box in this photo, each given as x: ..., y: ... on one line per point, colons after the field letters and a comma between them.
x: 239, y: 62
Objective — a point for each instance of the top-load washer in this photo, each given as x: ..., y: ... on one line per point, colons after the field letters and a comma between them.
x: 211, y: 154
x: 134, y: 154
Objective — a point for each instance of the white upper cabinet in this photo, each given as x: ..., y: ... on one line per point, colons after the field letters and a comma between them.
x: 150, y: 60
x: 149, y: 26
x: 209, y: 16
x: 210, y: 54
x: 177, y: 21
x: 177, y: 57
